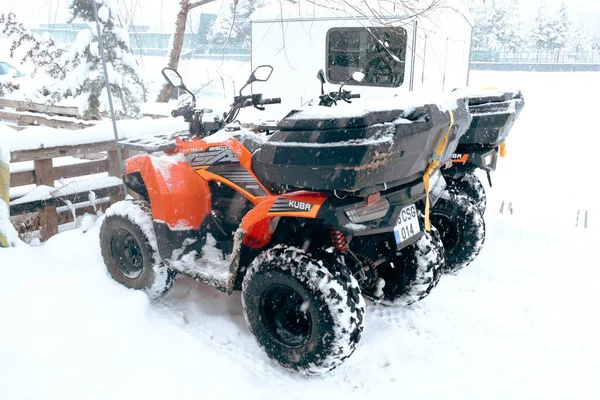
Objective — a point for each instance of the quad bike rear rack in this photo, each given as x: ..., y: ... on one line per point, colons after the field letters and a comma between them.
x: 150, y: 144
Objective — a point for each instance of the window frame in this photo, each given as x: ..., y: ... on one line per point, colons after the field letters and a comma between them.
x: 366, y: 82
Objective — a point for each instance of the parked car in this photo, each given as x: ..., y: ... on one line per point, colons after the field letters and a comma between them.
x: 6, y: 68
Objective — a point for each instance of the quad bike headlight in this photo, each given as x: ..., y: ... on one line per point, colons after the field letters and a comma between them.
x: 369, y: 212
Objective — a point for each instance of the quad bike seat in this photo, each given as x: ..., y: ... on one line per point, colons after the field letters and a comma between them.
x: 357, y: 152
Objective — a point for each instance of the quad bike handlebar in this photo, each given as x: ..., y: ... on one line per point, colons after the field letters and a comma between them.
x: 331, y: 98
x: 201, y: 128
x: 182, y: 111
x: 195, y: 116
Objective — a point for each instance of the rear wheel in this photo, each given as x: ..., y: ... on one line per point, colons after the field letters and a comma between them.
x: 414, y: 272
x: 461, y: 227
x: 304, y: 315
x: 470, y: 185
x: 128, y: 246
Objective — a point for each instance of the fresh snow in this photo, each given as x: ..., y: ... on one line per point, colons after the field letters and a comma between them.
x: 43, y: 137
x: 46, y: 192
x: 6, y: 228
x: 518, y: 323
x: 103, y: 13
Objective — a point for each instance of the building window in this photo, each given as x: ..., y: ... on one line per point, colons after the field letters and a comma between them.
x: 378, y: 52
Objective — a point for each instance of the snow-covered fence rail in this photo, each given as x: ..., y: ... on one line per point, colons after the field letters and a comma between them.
x: 23, y: 105
x: 53, y: 181
x: 26, y: 113
x: 49, y: 204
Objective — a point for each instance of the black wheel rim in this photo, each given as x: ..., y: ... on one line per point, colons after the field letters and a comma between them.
x: 284, y: 313
x: 448, y: 231
x: 127, y: 253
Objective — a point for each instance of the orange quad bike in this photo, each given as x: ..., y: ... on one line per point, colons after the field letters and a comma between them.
x: 306, y: 222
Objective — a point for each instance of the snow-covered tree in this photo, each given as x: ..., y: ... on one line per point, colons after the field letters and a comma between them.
x: 39, y: 56
x: 562, y: 27
x: 596, y: 42
x: 232, y: 26
x: 581, y: 40
x: 551, y: 33
x: 497, y: 26
x: 86, y: 82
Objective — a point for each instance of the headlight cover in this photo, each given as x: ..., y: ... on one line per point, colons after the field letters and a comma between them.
x: 368, y: 212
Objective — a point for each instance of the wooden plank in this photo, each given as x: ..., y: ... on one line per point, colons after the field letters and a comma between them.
x: 22, y: 178
x: 20, y: 105
x: 54, y: 202
x: 41, y: 119
x: 71, y: 171
x: 62, y: 151
x: 66, y: 171
x: 44, y: 175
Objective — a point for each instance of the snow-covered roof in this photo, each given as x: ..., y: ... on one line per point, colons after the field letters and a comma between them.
x: 351, y: 9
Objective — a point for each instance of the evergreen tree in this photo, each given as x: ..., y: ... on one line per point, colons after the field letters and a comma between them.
x: 562, y: 27
x: 497, y: 27
x: 596, y: 42
x: 543, y: 31
x: 86, y: 82
x: 232, y: 26
x: 581, y: 41
x: 551, y: 33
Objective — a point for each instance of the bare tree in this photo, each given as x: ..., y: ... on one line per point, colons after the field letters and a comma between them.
x: 178, y: 36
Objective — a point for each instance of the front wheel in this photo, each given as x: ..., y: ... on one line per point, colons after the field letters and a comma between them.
x: 305, y: 315
x: 461, y: 227
x: 129, y: 249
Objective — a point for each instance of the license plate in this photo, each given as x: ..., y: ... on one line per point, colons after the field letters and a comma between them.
x: 407, y: 225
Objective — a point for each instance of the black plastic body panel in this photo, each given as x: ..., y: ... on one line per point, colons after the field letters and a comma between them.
x: 358, y: 155
x: 493, y: 117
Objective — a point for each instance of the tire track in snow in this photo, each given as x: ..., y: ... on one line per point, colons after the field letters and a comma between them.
x: 264, y: 368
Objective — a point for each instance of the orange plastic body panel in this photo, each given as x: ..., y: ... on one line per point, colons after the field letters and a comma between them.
x: 257, y: 222
x: 178, y: 195
x: 243, y: 154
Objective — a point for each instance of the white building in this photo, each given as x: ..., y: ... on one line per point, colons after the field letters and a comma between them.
x: 399, y: 49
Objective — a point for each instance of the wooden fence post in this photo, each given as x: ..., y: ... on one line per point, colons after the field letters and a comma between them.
x: 114, y: 169
x: 4, y: 193
x: 48, y: 217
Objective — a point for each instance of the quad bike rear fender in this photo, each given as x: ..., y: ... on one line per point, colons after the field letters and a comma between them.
x: 176, y: 193
x: 258, y: 222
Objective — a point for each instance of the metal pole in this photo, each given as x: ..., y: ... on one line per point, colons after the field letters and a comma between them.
x: 110, y: 102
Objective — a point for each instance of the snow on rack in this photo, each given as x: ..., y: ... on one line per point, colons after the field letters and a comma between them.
x: 407, y: 102
x: 43, y: 137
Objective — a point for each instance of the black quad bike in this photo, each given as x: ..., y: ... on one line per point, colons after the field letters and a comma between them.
x: 494, y: 114
x: 327, y: 210
x: 455, y: 213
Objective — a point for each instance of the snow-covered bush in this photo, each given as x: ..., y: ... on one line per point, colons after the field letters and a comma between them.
x: 86, y: 81
x: 39, y: 56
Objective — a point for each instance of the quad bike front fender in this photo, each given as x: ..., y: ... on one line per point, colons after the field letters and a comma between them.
x: 178, y: 196
x: 257, y: 223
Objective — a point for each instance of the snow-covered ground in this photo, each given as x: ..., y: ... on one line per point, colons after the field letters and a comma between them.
x: 517, y: 324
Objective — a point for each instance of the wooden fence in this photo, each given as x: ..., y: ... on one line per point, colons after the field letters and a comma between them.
x: 46, y: 214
